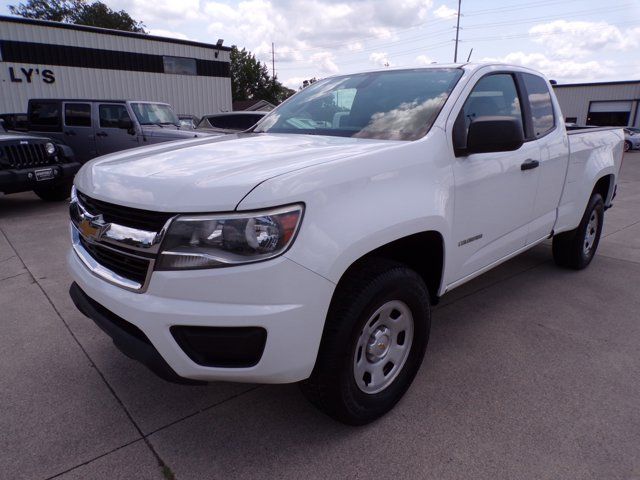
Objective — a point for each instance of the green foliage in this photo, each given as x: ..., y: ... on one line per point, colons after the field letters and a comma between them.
x: 250, y: 79
x: 79, y: 12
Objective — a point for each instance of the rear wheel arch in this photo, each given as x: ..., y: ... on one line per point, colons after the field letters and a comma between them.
x: 604, y: 186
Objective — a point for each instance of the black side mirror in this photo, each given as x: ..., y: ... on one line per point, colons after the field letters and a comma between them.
x: 125, y: 124
x: 493, y: 134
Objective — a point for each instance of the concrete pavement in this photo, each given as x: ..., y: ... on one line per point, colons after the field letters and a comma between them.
x: 531, y: 372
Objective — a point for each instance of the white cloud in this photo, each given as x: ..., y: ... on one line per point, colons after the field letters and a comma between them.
x: 167, y: 11
x: 381, y: 59
x: 558, y: 69
x: 325, y: 61
x: 355, y: 46
x: 564, y: 39
x: 424, y: 60
x: 445, y: 12
x: 167, y: 33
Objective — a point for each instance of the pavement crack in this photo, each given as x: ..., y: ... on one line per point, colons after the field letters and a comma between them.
x: 14, y: 276
x: 94, y: 459
x: 193, y: 414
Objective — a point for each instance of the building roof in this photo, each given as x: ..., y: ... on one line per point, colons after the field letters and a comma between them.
x: 107, y: 31
x: 596, y: 84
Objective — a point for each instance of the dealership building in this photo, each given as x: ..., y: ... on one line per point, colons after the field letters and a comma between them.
x: 603, y: 103
x: 41, y: 59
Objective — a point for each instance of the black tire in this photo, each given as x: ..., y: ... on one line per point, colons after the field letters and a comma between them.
x: 54, y: 193
x: 332, y: 386
x: 627, y: 145
x: 575, y: 249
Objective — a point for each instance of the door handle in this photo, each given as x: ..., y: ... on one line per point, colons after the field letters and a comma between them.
x: 101, y: 134
x: 69, y: 132
x: 529, y: 165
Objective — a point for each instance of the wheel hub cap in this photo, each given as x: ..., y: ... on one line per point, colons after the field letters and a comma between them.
x: 383, y: 347
x: 378, y: 345
x: 590, y: 234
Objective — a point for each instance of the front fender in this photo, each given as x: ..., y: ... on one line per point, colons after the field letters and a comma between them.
x: 356, y: 205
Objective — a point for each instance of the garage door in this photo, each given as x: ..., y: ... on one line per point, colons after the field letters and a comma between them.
x: 609, y: 113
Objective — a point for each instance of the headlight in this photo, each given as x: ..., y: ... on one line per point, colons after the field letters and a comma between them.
x: 50, y: 148
x: 207, y: 241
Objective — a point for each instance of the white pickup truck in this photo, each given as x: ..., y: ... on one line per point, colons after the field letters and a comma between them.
x: 311, y: 248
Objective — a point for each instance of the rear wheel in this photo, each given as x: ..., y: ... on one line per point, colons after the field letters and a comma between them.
x: 575, y: 249
x: 54, y: 193
x: 374, y: 341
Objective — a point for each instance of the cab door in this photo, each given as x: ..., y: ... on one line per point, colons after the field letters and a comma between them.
x: 554, y: 154
x: 494, y: 191
x: 78, y: 130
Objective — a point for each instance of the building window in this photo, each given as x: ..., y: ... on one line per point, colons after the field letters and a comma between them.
x: 180, y: 65
x: 77, y: 114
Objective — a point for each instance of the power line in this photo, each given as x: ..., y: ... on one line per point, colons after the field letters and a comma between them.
x: 455, y: 54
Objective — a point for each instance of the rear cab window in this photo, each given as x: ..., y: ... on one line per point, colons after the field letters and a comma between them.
x: 539, y: 97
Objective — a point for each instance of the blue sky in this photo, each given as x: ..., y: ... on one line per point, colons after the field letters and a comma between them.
x: 568, y: 40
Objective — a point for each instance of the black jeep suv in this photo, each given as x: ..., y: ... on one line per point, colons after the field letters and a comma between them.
x: 35, y: 163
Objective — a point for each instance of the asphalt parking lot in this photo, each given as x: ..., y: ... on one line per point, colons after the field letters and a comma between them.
x: 531, y: 372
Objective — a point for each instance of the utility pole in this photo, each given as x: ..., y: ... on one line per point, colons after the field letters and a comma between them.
x: 273, y: 65
x: 455, y: 55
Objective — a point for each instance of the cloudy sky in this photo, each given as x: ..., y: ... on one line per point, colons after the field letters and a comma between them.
x: 568, y: 40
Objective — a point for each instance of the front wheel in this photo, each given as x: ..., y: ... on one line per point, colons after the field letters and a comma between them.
x: 627, y: 145
x: 575, y: 249
x: 374, y: 341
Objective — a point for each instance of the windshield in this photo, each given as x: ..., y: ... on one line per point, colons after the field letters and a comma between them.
x: 154, y: 114
x: 392, y: 105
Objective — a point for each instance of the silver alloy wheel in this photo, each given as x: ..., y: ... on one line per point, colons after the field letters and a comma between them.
x: 590, y: 234
x: 383, y: 347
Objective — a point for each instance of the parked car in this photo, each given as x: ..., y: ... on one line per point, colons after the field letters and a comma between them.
x: 312, y: 247
x: 15, y: 121
x: 631, y: 138
x: 97, y: 127
x: 36, y: 163
x: 232, y: 122
x: 188, y: 121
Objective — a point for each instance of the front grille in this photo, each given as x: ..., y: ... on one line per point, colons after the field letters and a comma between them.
x: 24, y: 156
x: 125, y: 265
x: 126, y: 216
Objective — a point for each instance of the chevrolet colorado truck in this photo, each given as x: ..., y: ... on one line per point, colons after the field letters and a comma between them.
x: 311, y: 248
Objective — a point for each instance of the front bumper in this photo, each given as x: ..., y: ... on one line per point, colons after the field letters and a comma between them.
x: 287, y: 300
x: 23, y: 180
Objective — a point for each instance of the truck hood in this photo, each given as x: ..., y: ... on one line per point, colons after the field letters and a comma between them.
x: 209, y: 174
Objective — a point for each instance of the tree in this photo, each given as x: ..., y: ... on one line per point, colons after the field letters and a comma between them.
x: 250, y: 79
x: 79, y: 12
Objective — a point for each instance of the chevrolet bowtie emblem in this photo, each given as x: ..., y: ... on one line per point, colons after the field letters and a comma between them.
x: 92, y: 226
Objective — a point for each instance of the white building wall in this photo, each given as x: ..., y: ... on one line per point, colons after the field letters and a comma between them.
x: 191, y: 94
x: 574, y: 99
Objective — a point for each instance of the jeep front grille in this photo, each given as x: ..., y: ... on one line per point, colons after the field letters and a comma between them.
x: 24, y: 156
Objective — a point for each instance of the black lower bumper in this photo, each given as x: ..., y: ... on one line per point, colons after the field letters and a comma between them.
x: 129, y: 339
x: 25, y: 179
